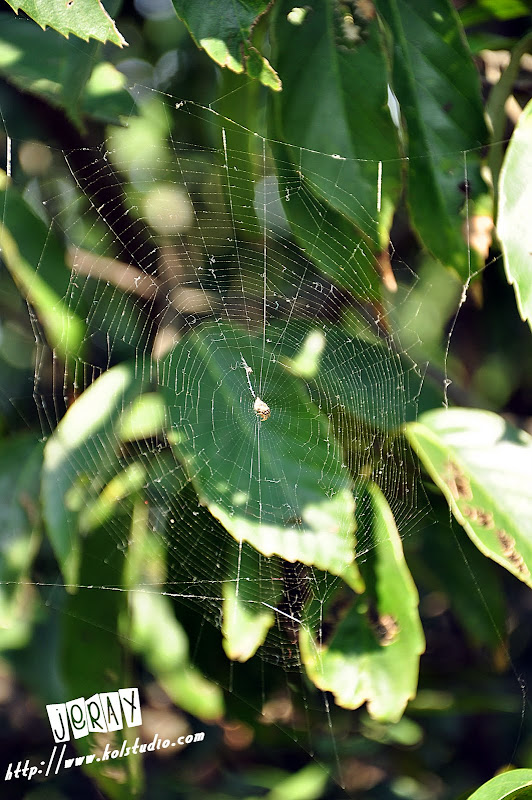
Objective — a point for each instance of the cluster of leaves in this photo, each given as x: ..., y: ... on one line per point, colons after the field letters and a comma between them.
x: 92, y: 494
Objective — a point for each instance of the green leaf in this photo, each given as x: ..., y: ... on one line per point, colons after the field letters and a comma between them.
x: 251, y: 591
x: 373, y: 660
x: 224, y: 31
x: 160, y: 638
x: 278, y: 484
x: 513, y: 223
x: 437, y: 86
x: 20, y: 464
x: 80, y: 459
x: 36, y: 259
x: 143, y: 419
x: 63, y: 72
x: 513, y: 785
x: 350, y: 169
x: 84, y: 18
x: 307, y: 783
x: 482, y: 464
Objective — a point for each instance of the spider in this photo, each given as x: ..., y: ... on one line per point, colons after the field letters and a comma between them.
x: 261, y: 409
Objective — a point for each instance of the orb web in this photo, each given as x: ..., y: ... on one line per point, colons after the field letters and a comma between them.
x: 184, y: 267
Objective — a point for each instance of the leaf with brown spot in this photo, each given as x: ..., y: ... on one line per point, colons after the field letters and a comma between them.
x: 483, y: 466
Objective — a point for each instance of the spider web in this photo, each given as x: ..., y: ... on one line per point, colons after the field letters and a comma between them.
x: 198, y: 245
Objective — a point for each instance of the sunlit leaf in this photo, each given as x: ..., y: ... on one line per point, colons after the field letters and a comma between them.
x: 513, y: 223
x: 516, y: 784
x: 373, y: 653
x: 125, y: 483
x: 144, y: 418
x: 224, y: 31
x: 84, y: 18
x: 482, y: 464
x: 105, y: 96
x: 307, y: 783
x: 80, y: 458
x: 486, y: 10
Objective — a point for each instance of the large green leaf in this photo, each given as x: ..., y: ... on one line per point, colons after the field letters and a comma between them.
x: 279, y: 484
x: 224, y: 31
x: 373, y: 657
x: 513, y: 222
x: 349, y: 169
x: 36, y: 259
x: 437, y: 86
x: 483, y: 465
x: 516, y: 784
x: 62, y: 71
x: 80, y: 459
x: 84, y: 18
